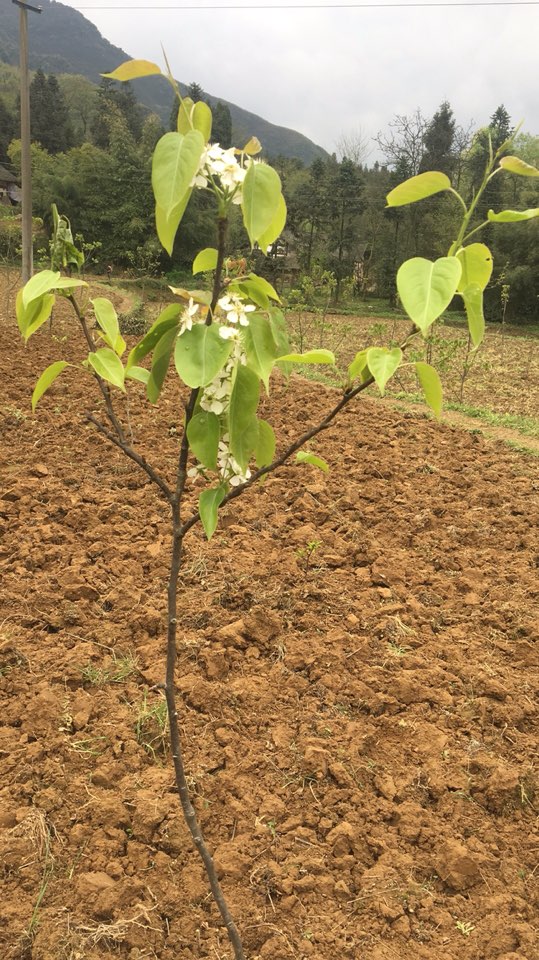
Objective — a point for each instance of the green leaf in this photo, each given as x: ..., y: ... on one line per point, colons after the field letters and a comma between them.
x: 108, y: 366
x: 46, y: 379
x: 518, y: 166
x: 418, y: 188
x: 312, y: 356
x: 133, y: 69
x: 512, y: 216
x: 431, y: 385
x: 45, y: 281
x: 32, y: 317
x: 175, y: 162
x: 426, y: 289
x: 265, y: 445
x: 276, y: 227
x: 184, y: 122
x: 208, y: 505
x: 260, y: 347
x: 476, y: 263
x: 203, y: 431
x: 473, y: 302
x: 200, y: 354
x: 202, y: 119
x: 107, y: 319
x: 199, y: 296
x: 242, y: 422
x: 280, y: 334
x: 205, y: 260
x: 265, y: 286
x: 138, y: 373
x: 358, y: 365
x: 303, y: 456
x: 160, y: 363
x: 382, y: 363
x: 260, y: 199
x: 167, y: 320
x: 167, y: 225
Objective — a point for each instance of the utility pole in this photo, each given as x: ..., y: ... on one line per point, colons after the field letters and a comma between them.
x: 26, y: 160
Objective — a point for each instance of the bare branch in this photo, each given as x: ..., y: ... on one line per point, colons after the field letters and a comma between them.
x: 124, y: 446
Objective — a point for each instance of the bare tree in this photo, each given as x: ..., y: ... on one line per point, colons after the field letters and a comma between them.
x: 354, y: 146
x: 403, y: 146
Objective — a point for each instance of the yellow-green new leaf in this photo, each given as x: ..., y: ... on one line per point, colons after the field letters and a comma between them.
x: 303, y: 456
x: 184, y: 122
x: 167, y: 224
x: 476, y: 263
x: 252, y: 147
x: 260, y: 199
x: 383, y: 363
x: 107, y: 319
x: 426, y: 289
x: 108, y: 366
x: 518, y: 166
x: 138, y: 373
x: 45, y: 281
x: 358, y: 365
x: 133, y: 69
x: 175, y: 163
x: 205, y: 260
x: 513, y: 216
x: 32, y: 317
x: 312, y: 356
x: 431, y: 385
x: 418, y: 188
x: 275, y: 228
x: 46, y: 379
x: 202, y: 119
x: 265, y: 446
x: 473, y: 302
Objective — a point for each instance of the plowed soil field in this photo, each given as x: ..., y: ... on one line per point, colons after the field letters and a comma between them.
x: 358, y: 669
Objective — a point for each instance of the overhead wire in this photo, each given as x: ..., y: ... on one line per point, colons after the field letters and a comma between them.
x: 315, y: 6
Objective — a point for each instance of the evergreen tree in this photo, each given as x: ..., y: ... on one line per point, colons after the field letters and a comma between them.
x: 121, y: 97
x: 49, y: 116
x: 8, y: 130
x: 222, y: 125
x: 438, y: 141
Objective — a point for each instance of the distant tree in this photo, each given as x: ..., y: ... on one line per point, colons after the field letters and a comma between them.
x: 121, y: 96
x: 354, y: 146
x: 8, y: 129
x: 195, y: 91
x: 49, y: 115
x: 438, y: 141
x: 403, y: 146
x: 80, y: 96
x: 222, y: 125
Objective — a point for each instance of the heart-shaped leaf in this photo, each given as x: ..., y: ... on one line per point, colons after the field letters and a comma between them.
x: 199, y: 355
x: 432, y: 386
x: 303, y: 456
x: 312, y: 356
x: 426, y: 289
x: 133, y: 69
x: 418, y: 188
x: 261, y: 202
x: 205, y: 260
x: 382, y: 363
x: 175, y: 163
x: 518, y: 166
x: 476, y: 263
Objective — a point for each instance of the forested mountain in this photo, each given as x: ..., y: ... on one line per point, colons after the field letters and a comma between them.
x: 63, y: 41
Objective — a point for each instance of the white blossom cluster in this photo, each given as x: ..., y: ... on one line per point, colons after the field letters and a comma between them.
x: 215, y: 398
x: 216, y: 162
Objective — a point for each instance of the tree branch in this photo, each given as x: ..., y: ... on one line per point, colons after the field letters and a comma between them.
x: 124, y: 446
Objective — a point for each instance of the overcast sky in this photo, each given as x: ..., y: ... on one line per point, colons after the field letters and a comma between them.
x: 326, y: 72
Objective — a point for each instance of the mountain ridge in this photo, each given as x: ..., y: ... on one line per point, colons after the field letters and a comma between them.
x: 71, y: 44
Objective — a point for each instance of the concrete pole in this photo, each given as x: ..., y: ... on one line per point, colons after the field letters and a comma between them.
x: 26, y: 158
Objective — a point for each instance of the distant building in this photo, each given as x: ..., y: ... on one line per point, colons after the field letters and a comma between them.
x: 10, y: 192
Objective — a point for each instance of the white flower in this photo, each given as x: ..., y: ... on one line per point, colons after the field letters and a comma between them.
x: 228, y: 333
x: 236, y: 310
x: 187, y: 316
